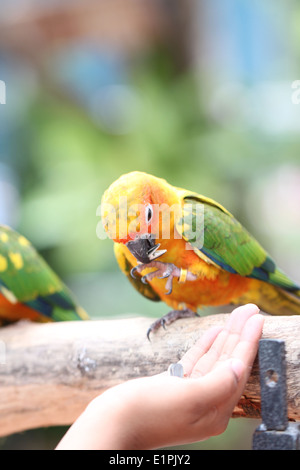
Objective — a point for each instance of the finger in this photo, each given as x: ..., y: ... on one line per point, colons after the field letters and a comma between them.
x: 236, y: 324
x: 245, y: 353
x: 246, y: 349
x: 201, y: 346
x: 226, y: 340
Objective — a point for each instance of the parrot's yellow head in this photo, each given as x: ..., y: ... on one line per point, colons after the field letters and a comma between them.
x: 133, y: 209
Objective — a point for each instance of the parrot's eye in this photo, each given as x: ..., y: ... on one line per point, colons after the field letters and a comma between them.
x: 148, y: 213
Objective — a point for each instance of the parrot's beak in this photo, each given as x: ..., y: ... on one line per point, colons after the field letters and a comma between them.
x: 144, y: 249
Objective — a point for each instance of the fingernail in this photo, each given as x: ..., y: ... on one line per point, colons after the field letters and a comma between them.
x: 238, y: 368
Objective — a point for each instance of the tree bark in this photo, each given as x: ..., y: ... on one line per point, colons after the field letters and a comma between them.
x: 49, y: 372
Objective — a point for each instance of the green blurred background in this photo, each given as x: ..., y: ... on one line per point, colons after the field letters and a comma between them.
x: 196, y: 92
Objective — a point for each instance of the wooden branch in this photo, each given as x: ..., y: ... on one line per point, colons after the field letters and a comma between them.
x: 53, y: 370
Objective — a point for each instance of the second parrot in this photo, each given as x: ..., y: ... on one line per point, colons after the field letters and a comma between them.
x: 29, y: 288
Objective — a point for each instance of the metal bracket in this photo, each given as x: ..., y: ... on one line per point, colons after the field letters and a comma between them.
x: 275, y: 432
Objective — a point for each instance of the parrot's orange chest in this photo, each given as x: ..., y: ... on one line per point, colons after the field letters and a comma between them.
x: 213, y: 285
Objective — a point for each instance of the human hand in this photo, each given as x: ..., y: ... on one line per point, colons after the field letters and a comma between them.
x: 164, y: 410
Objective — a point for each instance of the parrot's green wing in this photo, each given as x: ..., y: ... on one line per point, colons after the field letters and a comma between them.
x: 26, y: 277
x: 126, y: 267
x: 216, y: 236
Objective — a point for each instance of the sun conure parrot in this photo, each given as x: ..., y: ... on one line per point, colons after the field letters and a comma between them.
x: 196, y: 254
x: 29, y: 288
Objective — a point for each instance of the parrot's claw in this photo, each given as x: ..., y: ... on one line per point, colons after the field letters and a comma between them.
x: 170, y: 318
x: 133, y: 270
x: 166, y: 274
x: 163, y: 271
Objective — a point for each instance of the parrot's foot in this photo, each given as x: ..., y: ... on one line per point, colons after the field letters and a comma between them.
x: 163, y: 270
x: 170, y: 318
